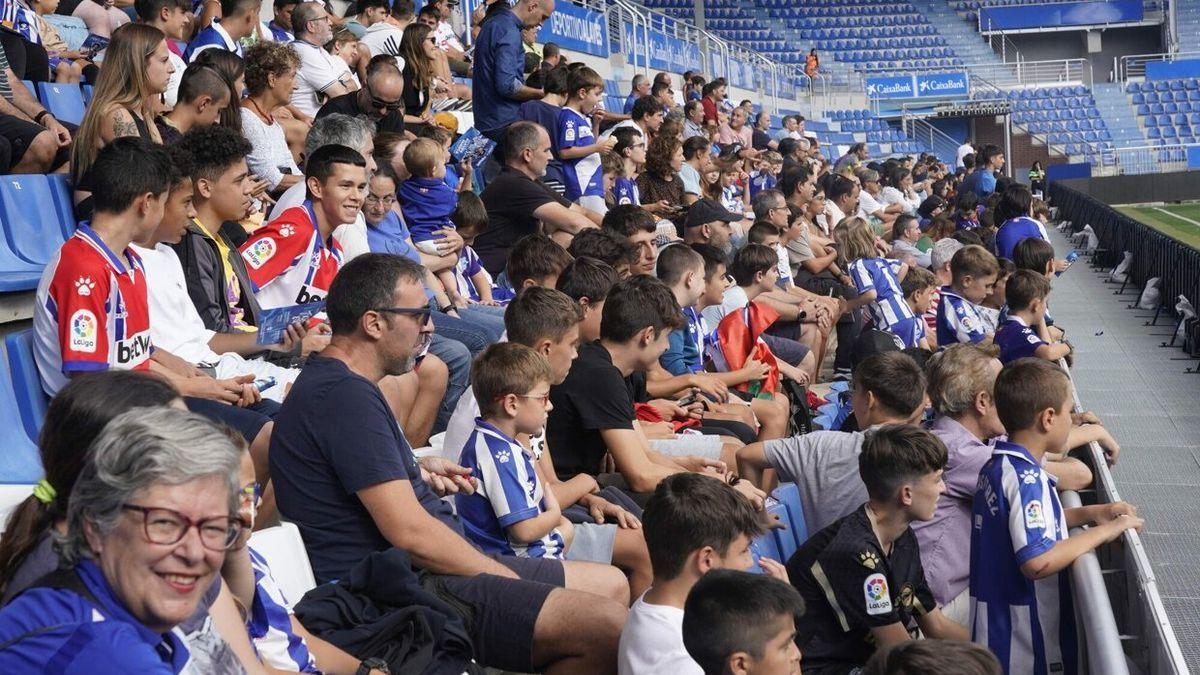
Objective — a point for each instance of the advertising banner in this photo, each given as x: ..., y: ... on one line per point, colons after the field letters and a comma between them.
x: 577, y: 29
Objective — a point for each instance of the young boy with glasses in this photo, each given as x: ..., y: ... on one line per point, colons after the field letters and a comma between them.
x: 510, y: 512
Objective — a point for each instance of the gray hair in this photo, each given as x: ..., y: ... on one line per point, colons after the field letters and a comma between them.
x: 943, y: 251
x: 868, y: 176
x: 956, y: 376
x: 519, y: 137
x: 766, y: 200
x: 137, y: 450
x: 338, y: 129
x: 304, y: 13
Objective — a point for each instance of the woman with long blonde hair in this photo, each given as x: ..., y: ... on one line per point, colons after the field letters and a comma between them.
x: 128, y: 94
x: 877, y: 280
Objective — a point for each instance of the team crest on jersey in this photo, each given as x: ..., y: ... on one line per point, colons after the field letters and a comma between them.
x: 503, y: 456
x: 868, y: 559
x: 1034, y: 517
x: 259, y: 253
x: 287, y: 230
x: 569, y: 132
x: 875, y: 590
x: 1029, y: 476
x: 83, y: 331
x: 84, y: 286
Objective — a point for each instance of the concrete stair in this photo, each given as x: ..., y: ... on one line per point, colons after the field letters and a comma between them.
x: 960, y: 35
x: 1118, y: 115
x: 1188, y: 15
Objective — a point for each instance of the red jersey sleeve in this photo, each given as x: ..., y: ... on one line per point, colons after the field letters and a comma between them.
x: 276, y: 247
x: 81, y: 292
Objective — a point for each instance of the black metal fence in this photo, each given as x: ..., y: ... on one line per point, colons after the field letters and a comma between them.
x: 1154, y: 253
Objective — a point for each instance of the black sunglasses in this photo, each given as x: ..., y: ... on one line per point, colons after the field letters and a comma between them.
x: 422, y: 314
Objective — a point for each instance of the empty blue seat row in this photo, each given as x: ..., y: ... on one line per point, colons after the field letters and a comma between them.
x: 20, y: 461
x: 37, y: 215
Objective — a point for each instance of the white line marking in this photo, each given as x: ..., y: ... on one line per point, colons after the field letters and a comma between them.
x: 1176, y: 215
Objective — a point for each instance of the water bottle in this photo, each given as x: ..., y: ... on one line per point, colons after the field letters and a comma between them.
x: 1071, y: 258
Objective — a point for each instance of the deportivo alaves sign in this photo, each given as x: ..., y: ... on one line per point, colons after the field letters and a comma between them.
x: 929, y: 85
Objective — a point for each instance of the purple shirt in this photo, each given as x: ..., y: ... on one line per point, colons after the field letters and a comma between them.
x: 946, y: 540
x: 1016, y: 340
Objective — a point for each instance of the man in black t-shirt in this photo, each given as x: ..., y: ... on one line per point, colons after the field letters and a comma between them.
x: 345, y: 474
x: 380, y: 100
x: 861, y: 578
x: 516, y: 200
x: 593, y: 412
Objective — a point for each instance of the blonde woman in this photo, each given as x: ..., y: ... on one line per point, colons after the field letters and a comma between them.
x: 270, y: 80
x: 877, y: 280
x: 128, y: 95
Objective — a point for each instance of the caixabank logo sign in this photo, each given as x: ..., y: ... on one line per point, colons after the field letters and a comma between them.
x: 931, y: 85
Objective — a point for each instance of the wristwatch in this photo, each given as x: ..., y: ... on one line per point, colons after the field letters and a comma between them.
x: 373, y: 663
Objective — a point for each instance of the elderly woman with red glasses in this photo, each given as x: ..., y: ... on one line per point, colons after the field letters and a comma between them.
x: 150, y: 518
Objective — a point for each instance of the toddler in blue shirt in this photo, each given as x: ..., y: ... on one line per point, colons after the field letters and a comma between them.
x: 426, y: 201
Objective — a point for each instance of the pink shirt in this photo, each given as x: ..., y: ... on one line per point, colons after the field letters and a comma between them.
x: 744, y: 136
x: 100, y: 19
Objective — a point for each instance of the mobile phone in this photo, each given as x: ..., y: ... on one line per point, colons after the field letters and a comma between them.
x: 687, y: 400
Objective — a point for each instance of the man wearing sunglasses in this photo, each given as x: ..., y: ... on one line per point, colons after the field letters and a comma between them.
x: 345, y: 474
x: 381, y: 99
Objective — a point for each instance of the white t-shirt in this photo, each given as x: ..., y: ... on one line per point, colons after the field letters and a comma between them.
x: 175, y: 325
x: 384, y: 38
x: 352, y: 237
x: 446, y: 38
x: 963, y: 150
x: 868, y: 205
x: 652, y: 642
x: 319, y: 70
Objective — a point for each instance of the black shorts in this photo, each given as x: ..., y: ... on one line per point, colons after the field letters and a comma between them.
x: 501, y: 613
x: 20, y: 134
x: 246, y: 421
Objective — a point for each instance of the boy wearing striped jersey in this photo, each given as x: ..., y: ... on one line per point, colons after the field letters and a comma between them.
x: 293, y: 259
x: 861, y: 578
x: 1021, y: 606
x: 973, y: 274
x: 578, y: 146
x: 510, y: 512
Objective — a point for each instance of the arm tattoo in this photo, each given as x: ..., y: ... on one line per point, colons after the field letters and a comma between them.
x: 123, y: 124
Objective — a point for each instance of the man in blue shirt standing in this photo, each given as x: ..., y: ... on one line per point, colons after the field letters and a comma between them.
x: 498, y: 85
x: 983, y: 181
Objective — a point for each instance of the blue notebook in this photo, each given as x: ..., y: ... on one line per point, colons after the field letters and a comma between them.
x: 472, y: 146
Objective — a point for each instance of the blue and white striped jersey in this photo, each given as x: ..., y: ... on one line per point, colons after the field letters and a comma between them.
x: 270, y: 624
x: 508, y: 492
x: 958, y: 320
x: 584, y: 176
x: 879, y: 275
x: 1029, y: 625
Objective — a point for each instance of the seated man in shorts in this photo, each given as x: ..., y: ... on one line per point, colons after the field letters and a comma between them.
x: 345, y: 474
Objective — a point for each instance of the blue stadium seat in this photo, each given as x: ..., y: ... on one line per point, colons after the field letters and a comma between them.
x: 23, y: 207
x: 88, y: 90
x: 64, y: 101
x: 62, y: 194
x: 784, y: 540
x: 31, y: 87
x: 789, y: 495
x: 31, y: 400
x: 20, y: 461
x: 764, y: 547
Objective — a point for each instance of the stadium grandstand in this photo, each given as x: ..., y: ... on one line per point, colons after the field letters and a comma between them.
x: 634, y: 336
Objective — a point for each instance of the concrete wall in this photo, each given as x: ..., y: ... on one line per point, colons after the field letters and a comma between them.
x: 1114, y: 42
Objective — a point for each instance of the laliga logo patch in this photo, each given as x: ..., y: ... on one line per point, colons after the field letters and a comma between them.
x: 259, y: 253
x: 569, y: 132
x: 1033, y: 339
x: 83, y: 331
x: 1029, y: 476
x: 875, y: 590
x: 84, y: 286
x: 1034, y: 518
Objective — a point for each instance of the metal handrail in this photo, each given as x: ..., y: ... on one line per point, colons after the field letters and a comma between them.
x: 1093, y: 609
x: 1006, y: 43
x: 1134, y: 65
x: 1144, y: 159
x: 1141, y: 585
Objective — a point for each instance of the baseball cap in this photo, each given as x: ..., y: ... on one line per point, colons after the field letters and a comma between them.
x: 707, y: 211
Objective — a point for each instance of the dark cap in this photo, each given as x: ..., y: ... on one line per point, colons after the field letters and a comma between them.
x: 874, y: 341
x: 925, y: 210
x: 706, y: 211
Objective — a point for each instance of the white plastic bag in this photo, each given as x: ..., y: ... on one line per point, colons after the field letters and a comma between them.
x: 1120, y: 273
x: 1151, y: 294
x: 1185, y: 310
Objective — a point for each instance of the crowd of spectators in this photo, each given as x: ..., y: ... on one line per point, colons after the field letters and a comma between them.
x: 534, y: 428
